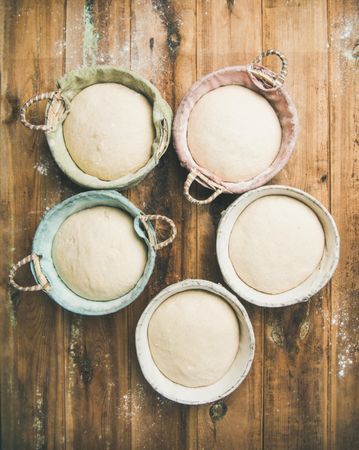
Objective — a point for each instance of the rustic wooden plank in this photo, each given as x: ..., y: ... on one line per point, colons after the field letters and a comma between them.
x: 296, y: 344
x: 32, y: 407
x: 158, y: 47
x: 98, y: 414
x: 228, y: 33
x: 343, y: 29
x: 92, y: 370
x: 184, y: 75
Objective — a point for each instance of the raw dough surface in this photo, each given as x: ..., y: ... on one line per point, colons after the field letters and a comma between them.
x: 276, y: 243
x: 98, y: 254
x: 234, y: 132
x: 194, y: 338
x: 109, y: 131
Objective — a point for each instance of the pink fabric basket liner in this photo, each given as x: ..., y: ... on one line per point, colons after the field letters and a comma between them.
x: 276, y: 96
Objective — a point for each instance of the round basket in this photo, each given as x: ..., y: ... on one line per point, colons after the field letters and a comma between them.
x: 59, y: 105
x: 199, y: 395
x: 42, y: 266
x: 260, y: 80
x: 317, y: 280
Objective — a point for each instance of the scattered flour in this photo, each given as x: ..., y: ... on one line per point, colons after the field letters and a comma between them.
x: 42, y: 168
x: 347, y: 340
x: 134, y: 401
x: 38, y: 422
x: 343, y: 42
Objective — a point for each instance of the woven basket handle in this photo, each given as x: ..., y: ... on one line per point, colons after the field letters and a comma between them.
x: 58, y: 110
x: 43, y: 282
x: 158, y: 245
x: 218, y: 190
x: 278, y: 79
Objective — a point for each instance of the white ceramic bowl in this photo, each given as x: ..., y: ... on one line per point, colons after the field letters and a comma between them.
x: 318, y: 279
x: 197, y: 395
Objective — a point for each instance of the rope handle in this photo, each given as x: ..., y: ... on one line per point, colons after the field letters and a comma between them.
x: 58, y: 109
x: 218, y: 190
x: 276, y: 80
x: 44, y: 284
x: 158, y: 245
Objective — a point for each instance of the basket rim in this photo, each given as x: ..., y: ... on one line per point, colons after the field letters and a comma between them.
x: 42, y: 246
x: 212, y: 81
x: 300, y: 293
x: 162, y: 120
x: 143, y: 352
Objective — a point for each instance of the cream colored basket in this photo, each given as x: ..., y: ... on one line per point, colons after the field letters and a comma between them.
x: 196, y: 396
x: 260, y: 80
x: 306, y: 289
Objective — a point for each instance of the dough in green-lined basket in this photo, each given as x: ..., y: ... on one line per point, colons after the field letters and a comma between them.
x: 109, y: 131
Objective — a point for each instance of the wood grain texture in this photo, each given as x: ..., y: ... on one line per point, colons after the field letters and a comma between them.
x: 155, y: 42
x: 296, y: 338
x: 343, y: 33
x: 32, y: 367
x: 98, y: 410
x: 72, y: 382
x: 222, y: 30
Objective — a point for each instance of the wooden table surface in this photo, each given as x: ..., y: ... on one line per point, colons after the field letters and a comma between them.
x: 74, y: 382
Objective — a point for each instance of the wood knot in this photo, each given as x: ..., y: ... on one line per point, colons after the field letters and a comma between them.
x: 323, y: 178
x: 230, y: 5
x: 85, y: 367
x: 12, y: 108
x: 278, y: 335
x: 217, y: 411
x: 173, y: 42
x: 171, y: 23
x: 304, y: 329
x: 355, y: 51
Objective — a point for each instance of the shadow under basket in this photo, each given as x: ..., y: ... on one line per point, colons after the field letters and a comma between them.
x: 42, y: 265
x: 196, y: 395
x: 59, y: 106
x: 301, y: 293
x: 260, y: 80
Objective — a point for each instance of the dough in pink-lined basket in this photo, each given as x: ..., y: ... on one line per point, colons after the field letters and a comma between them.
x: 234, y: 132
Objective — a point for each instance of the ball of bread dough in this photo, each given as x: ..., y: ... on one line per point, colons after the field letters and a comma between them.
x: 194, y: 338
x: 98, y: 254
x: 234, y: 133
x: 109, y: 130
x: 276, y: 243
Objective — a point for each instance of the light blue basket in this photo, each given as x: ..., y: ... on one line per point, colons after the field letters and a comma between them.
x: 43, y: 268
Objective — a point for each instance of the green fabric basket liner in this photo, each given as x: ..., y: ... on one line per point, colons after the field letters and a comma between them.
x: 71, y: 84
x: 42, y: 246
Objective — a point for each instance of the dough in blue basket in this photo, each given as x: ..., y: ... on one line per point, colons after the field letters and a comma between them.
x: 98, y: 254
